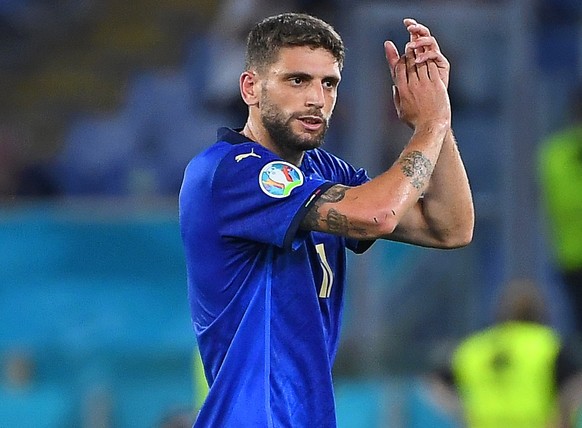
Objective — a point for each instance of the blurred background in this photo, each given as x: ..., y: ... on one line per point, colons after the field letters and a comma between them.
x: 104, y: 102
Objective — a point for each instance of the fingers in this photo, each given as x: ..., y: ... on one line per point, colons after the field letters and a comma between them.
x: 416, y: 51
x: 420, y: 35
x: 397, y: 64
x: 391, y: 51
x: 414, y: 69
x: 437, y: 57
x: 411, y: 68
x: 392, y: 56
x: 418, y: 92
x: 426, y: 48
x: 433, y: 70
x: 415, y: 29
x: 425, y: 44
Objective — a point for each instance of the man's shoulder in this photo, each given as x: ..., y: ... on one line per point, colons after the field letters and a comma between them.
x: 225, y: 165
x: 322, y: 155
x: 208, y: 159
x: 225, y: 151
x: 323, y: 160
x: 334, y: 168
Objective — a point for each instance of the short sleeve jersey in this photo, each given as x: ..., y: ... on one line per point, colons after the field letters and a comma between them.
x: 266, y: 297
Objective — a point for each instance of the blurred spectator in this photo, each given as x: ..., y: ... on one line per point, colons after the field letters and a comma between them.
x: 22, y: 172
x: 18, y: 371
x: 24, y: 401
x: 227, y: 36
x: 560, y: 174
x: 518, y: 372
x: 557, y: 20
x: 181, y: 418
x: 94, y: 157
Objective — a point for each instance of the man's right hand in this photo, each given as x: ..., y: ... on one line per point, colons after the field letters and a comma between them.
x: 420, y: 96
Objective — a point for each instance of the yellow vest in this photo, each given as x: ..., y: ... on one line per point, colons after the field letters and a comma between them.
x: 505, y: 376
x: 199, y: 378
x: 560, y: 174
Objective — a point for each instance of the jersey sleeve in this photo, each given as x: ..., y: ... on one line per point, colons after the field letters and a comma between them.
x: 259, y: 197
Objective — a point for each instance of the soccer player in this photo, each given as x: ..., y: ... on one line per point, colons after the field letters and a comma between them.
x: 266, y: 216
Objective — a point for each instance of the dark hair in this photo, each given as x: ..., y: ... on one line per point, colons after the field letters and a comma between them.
x: 290, y: 29
x: 522, y: 300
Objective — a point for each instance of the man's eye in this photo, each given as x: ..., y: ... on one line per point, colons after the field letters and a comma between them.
x: 329, y: 84
x: 297, y: 80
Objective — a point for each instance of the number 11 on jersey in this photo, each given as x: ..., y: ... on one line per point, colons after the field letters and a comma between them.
x: 327, y: 280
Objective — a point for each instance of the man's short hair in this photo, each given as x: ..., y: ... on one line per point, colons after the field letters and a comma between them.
x: 287, y: 30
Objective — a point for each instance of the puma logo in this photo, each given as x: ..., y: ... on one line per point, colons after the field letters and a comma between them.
x: 252, y: 153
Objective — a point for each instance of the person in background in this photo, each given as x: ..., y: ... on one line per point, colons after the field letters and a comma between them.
x: 518, y: 372
x: 560, y: 178
x: 266, y: 216
x: 25, y: 399
x: 180, y: 418
x: 199, y: 384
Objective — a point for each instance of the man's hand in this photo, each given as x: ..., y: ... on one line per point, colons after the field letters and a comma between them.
x: 426, y: 48
x: 419, y: 92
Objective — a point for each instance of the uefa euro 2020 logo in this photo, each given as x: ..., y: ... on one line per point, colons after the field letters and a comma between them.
x: 278, y: 178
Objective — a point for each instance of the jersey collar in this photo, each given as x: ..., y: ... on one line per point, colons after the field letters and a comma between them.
x: 232, y: 136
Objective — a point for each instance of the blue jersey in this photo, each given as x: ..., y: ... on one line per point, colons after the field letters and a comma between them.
x: 266, y: 297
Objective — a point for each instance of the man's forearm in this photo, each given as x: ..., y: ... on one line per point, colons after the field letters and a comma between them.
x: 448, y: 202
x: 374, y: 209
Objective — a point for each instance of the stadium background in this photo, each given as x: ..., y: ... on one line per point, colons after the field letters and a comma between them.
x: 103, y: 104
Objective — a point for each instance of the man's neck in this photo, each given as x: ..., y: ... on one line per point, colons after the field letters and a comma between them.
x: 264, y: 139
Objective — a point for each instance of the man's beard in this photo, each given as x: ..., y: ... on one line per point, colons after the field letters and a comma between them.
x: 279, y: 128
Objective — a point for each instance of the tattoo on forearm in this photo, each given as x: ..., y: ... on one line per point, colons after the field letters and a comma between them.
x: 336, y: 222
x: 333, y: 194
x: 417, y: 167
x: 311, y: 219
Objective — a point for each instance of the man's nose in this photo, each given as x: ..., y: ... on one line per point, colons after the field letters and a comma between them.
x: 316, y: 96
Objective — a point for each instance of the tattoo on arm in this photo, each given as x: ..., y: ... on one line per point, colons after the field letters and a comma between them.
x: 417, y: 167
x: 334, y: 221
x: 337, y: 222
x: 333, y: 194
x: 313, y: 217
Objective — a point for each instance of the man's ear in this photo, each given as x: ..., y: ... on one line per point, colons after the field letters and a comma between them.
x: 249, y: 88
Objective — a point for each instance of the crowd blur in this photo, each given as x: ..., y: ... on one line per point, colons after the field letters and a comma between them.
x: 114, y: 97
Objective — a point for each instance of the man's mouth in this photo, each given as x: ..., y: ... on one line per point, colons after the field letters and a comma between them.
x: 311, y: 123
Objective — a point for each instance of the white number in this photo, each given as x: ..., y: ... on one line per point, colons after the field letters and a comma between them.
x: 327, y: 281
